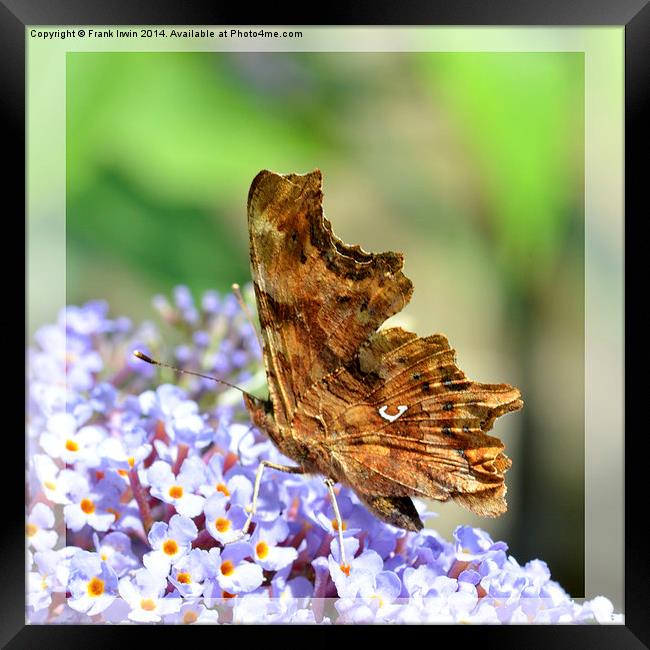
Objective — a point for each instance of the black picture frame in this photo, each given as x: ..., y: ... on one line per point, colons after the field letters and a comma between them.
x: 633, y: 14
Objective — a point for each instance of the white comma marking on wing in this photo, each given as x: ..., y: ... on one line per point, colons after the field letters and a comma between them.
x: 391, y: 418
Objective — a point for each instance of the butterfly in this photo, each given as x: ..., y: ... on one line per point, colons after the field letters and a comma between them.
x: 383, y: 411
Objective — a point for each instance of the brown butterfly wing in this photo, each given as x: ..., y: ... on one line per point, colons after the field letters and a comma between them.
x: 318, y: 299
x: 403, y: 420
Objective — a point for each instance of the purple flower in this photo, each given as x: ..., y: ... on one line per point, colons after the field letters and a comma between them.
x: 179, y: 415
x: 210, y: 303
x: 39, y: 523
x: 89, y: 319
x: 92, y: 583
x: 189, y: 573
x: 63, y: 440
x: 264, y: 542
x: 474, y: 543
x: 115, y: 549
x: 233, y: 572
x: 193, y: 611
x: 169, y: 542
x: 354, y: 517
x: 145, y: 594
x: 158, y: 479
x: 183, y: 298
x: 356, y: 573
x: 222, y: 520
x: 237, y: 487
x: 102, y: 397
x: 177, y: 490
x: 92, y: 506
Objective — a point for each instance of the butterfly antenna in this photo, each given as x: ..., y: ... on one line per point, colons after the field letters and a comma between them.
x: 236, y: 289
x: 143, y: 357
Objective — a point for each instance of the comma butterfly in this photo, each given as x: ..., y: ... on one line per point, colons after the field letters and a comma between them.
x: 385, y: 412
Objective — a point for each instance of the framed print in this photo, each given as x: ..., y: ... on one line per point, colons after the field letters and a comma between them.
x: 325, y: 322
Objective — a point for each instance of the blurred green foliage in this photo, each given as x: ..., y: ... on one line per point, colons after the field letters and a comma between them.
x: 472, y: 163
x: 521, y: 116
x: 161, y: 143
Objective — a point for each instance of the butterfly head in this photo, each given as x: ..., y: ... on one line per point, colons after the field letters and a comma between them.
x: 261, y: 412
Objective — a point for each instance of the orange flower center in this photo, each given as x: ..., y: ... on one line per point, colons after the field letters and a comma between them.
x: 190, y: 617
x: 227, y: 594
x: 184, y: 578
x: 96, y: 587
x: 345, y: 568
x: 114, y: 512
x: 335, y: 525
x: 222, y: 524
x: 131, y: 461
x: 147, y: 604
x: 71, y: 445
x: 175, y: 491
x: 227, y: 567
x: 262, y: 549
x: 221, y: 487
x: 170, y: 547
x: 99, y: 475
x: 87, y: 506
x: 31, y: 530
x: 122, y: 472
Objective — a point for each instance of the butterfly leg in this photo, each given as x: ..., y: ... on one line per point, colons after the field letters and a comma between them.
x: 339, y: 522
x: 252, y: 508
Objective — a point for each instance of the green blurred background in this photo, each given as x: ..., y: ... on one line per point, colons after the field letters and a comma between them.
x: 471, y: 164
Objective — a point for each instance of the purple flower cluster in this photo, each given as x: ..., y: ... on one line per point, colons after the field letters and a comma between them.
x: 141, y: 479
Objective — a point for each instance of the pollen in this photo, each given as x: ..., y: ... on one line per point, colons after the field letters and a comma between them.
x: 227, y: 594
x: 87, y: 506
x: 50, y: 485
x: 31, y: 530
x: 227, y: 567
x: 131, y: 461
x: 190, y: 617
x: 122, y: 472
x: 184, y: 578
x: 170, y: 547
x: 96, y: 587
x: 345, y: 568
x: 147, y: 604
x: 175, y: 491
x: 262, y: 549
x: 335, y: 525
x: 222, y: 524
x: 221, y: 487
x: 99, y: 475
x: 71, y: 445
